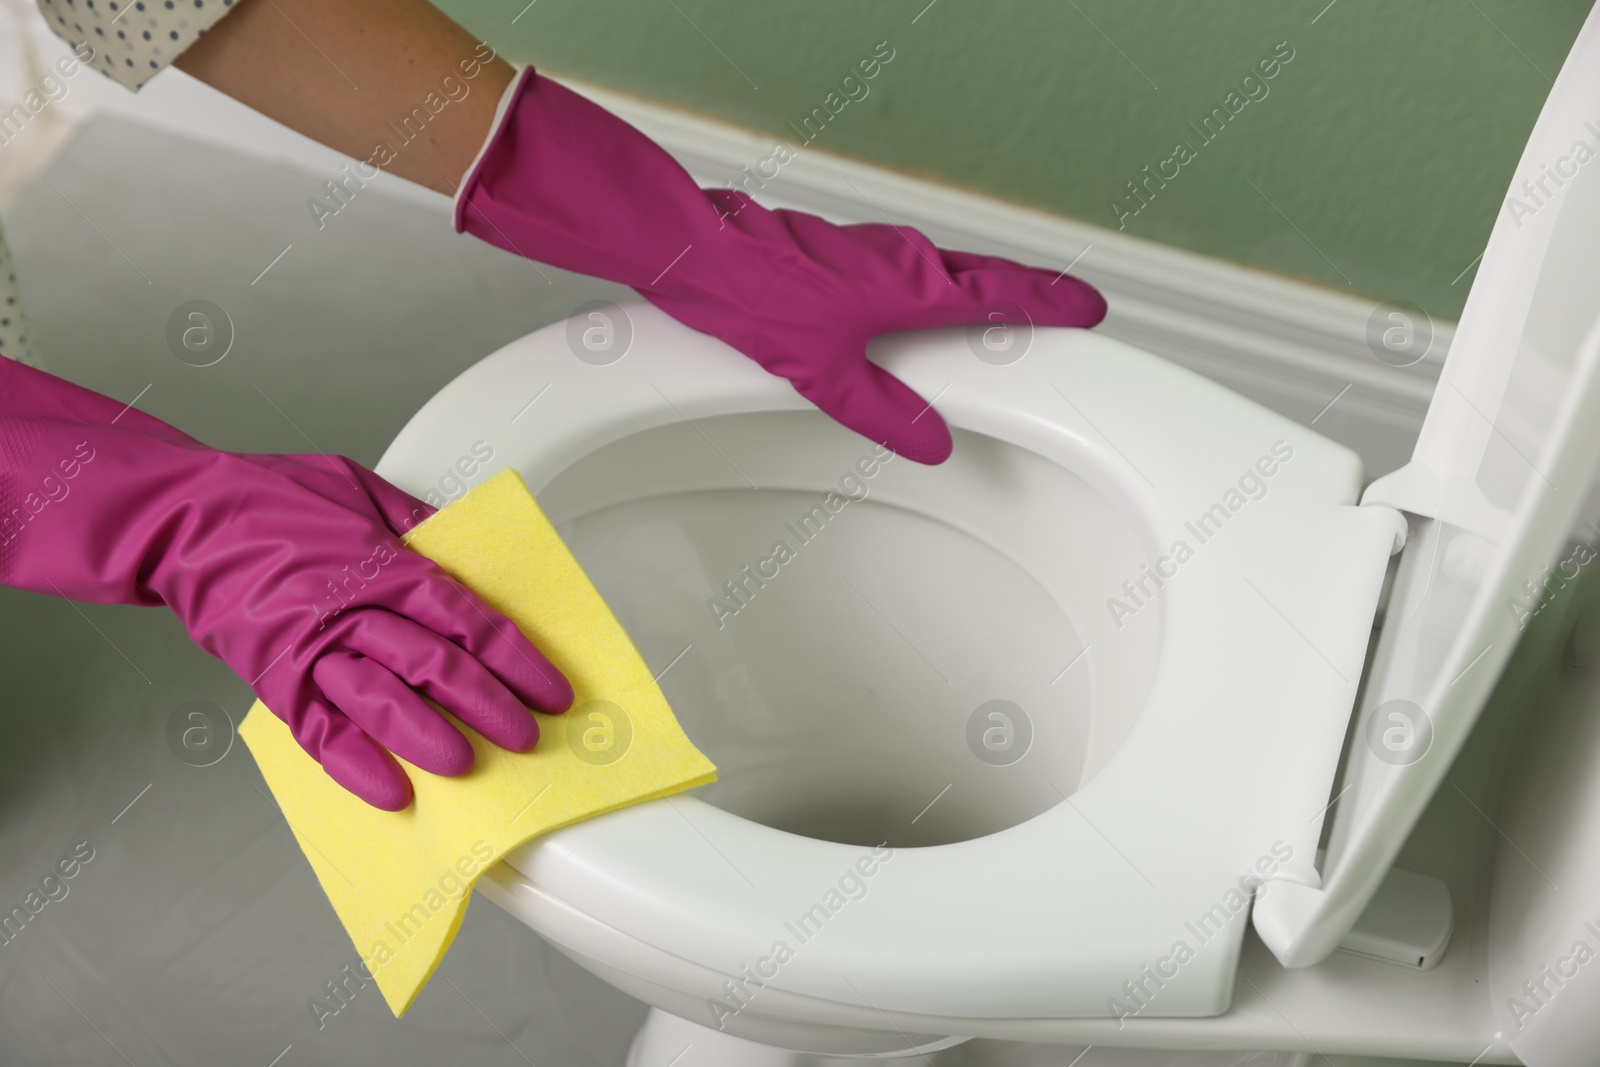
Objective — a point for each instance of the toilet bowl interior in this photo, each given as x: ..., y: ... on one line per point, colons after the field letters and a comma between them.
x: 871, y: 650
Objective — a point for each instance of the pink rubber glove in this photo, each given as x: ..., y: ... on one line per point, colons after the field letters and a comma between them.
x: 566, y: 182
x: 287, y: 568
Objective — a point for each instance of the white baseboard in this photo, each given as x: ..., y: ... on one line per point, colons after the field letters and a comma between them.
x: 1291, y: 345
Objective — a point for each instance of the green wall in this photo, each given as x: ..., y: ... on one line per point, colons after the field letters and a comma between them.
x: 1381, y: 150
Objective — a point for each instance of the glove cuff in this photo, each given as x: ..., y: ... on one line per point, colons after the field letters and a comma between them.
x: 469, y: 180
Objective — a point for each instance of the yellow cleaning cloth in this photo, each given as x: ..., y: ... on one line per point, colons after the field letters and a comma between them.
x: 400, y: 880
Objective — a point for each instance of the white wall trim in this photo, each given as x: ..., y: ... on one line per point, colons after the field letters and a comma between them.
x: 1292, y: 345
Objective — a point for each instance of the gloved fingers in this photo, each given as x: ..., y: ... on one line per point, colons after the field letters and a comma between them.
x: 454, y: 612
x: 392, y: 714
x: 955, y: 260
x: 882, y: 408
x: 906, y: 246
x: 953, y: 282
x: 348, y: 754
x: 447, y: 675
x: 1047, y: 298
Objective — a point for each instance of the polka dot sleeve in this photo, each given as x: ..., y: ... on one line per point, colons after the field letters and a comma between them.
x: 133, y: 40
x: 14, y: 340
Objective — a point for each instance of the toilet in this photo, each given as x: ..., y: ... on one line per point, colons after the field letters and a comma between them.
x: 1019, y: 746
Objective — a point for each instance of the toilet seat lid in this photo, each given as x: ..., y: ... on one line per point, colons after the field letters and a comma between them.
x: 1499, y: 480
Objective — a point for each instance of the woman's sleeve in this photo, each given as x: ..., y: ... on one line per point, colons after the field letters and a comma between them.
x: 133, y: 40
x: 15, y: 342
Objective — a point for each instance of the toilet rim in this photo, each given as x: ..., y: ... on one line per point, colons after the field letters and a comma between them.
x: 654, y: 872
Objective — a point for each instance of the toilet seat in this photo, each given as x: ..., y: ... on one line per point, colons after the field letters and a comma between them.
x: 1077, y: 910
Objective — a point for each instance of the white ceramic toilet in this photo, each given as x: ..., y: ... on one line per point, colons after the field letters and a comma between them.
x: 1017, y: 746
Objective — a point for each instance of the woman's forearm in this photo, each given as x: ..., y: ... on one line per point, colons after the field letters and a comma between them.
x: 392, y: 82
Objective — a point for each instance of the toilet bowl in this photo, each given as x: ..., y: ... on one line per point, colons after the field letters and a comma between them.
x: 994, y: 737
x: 1015, y: 747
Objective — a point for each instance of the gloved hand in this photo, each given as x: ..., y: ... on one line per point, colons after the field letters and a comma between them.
x: 564, y: 181
x: 287, y: 568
